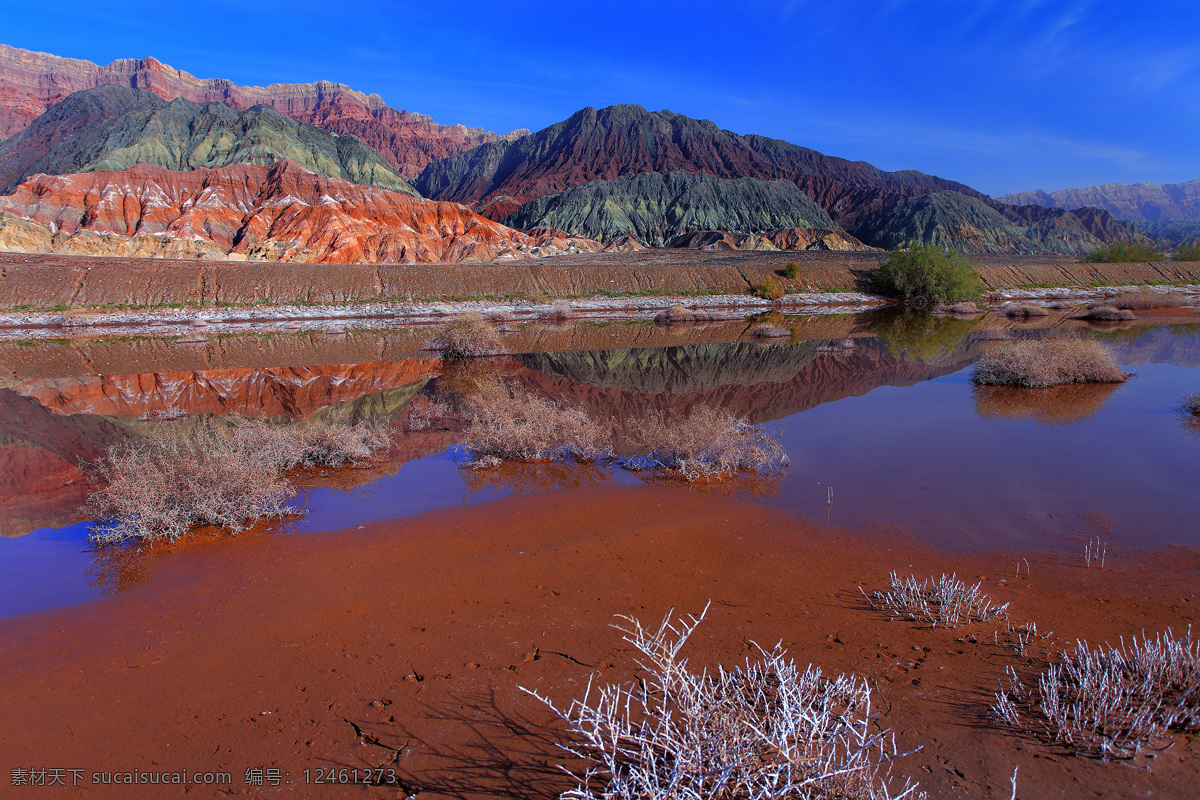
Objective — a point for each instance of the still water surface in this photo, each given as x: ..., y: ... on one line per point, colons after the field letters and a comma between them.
x: 902, y: 439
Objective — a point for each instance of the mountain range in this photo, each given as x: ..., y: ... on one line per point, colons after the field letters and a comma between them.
x: 621, y: 176
x: 1135, y: 202
x: 1169, y: 212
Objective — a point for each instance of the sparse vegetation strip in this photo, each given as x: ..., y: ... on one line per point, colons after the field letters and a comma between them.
x: 1122, y: 253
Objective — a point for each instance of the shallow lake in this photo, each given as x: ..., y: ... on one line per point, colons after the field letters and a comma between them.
x: 876, y: 412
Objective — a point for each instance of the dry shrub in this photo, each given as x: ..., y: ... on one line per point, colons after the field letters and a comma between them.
x: 505, y: 424
x: 1048, y: 362
x: 947, y: 601
x: 764, y: 730
x: 162, y: 486
x: 1110, y: 701
x: 424, y: 413
x: 513, y: 425
x: 706, y: 443
x: 1105, y: 313
x: 1048, y: 405
x: 675, y: 314
x: 1145, y: 299
x: 1025, y: 310
x: 467, y: 336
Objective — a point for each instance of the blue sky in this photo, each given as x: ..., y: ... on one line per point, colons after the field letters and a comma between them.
x: 1003, y: 95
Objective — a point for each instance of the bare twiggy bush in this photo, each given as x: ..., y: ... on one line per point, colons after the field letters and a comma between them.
x: 162, y: 486
x: 505, y: 424
x: 706, y: 443
x: 1109, y: 701
x: 424, y: 413
x: 1048, y: 362
x: 1020, y: 638
x: 468, y: 336
x: 676, y: 314
x: 765, y: 330
x: 947, y: 601
x: 764, y: 730
x: 1105, y: 313
x: 1025, y: 310
x: 1145, y: 299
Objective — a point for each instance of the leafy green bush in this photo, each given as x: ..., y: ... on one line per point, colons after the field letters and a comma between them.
x: 1187, y: 252
x: 926, y: 274
x: 1123, y: 252
x: 791, y: 270
x: 768, y: 289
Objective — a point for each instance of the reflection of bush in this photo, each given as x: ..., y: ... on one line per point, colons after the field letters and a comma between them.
x: 115, y: 569
x: 463, y: 379
x: 1191, y: 412
x: 920, y: 336
x: 520, y: 477
x: 1049, y: 405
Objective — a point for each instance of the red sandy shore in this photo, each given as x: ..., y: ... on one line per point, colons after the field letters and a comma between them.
x: 401, y: 645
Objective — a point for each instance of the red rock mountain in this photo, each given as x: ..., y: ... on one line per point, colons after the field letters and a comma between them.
x: 32, y: 82
x: 281, y: 212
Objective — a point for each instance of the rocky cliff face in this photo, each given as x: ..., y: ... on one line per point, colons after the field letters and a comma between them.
x: 32, y: 82
x: 112, y: 128
x: 1136, y: 202
x: 627, y: 140
x: 655, y: 209
x: 281, y: 213
x: 952, y: 220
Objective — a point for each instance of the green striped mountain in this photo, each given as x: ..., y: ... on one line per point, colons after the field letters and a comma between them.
x: 655, y: 208
x: 115, y: 127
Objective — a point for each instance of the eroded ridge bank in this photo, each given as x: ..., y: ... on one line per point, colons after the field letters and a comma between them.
x: 54, y: 283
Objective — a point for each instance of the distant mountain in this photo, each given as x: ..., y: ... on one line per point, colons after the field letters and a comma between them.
x: 657, y: 209
x: 627, y: 139
x: 32, y: 82
x: 955, y: 221
x: 114, y: 127
x: 1135, y: 202
x: 278, y: 213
